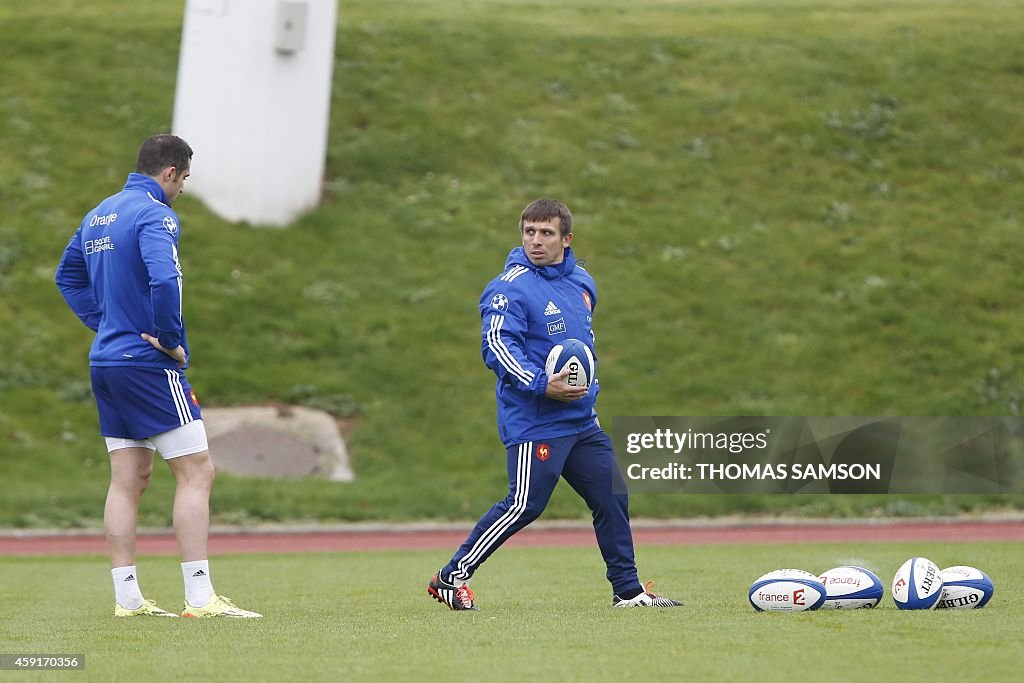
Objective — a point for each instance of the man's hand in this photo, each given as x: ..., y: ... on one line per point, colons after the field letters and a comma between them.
x: 559, y: 390
x: 177, y: 353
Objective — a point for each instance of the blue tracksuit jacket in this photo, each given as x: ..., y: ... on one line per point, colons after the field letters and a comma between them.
x: 525, y: 311
x: 120, y: 275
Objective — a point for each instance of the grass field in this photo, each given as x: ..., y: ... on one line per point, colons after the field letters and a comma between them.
x: 791, y: 207
x: 544, y: 616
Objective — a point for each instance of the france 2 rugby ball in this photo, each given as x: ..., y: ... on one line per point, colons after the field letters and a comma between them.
x: 964, y: 588
x: 917, y: 584
x: 851, y: 588
x: 787, y: 574
x: 786, y: 590
x: 574, y: 356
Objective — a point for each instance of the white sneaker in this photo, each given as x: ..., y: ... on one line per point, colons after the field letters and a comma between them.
x: 645, y: 599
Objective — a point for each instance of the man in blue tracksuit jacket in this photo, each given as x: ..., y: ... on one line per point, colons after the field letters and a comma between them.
x: 121, y: 276
x: 549, y: 427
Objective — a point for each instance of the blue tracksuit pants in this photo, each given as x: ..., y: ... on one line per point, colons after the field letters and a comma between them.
x: 587, y: 462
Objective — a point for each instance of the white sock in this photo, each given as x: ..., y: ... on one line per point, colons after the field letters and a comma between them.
x: 126, y: 587
x: 198, y: 588
x: 458, y: 582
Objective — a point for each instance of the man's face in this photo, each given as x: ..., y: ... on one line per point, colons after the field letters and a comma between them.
x: 543, y: 241
x: 174, y: 183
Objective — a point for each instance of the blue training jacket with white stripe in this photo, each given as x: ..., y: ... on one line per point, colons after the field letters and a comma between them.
x: 121, y: 277
x: 525, y: 312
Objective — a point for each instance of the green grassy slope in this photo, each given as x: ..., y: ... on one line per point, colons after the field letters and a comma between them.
x: 795, y: 207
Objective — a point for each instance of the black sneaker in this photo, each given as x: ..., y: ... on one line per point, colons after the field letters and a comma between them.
x: 645, y: 599
x: 455, y: 597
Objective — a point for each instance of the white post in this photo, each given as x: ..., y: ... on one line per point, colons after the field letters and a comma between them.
x: 253, y: 100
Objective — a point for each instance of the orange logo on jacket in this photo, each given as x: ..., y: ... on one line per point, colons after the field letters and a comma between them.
x: 192, y: 395
x: 586, y: 300
x: 543, y: 452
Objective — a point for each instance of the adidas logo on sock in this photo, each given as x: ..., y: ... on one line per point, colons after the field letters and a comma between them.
x: 551, y: 309
x: 130, y: 577
x: 199, y: 573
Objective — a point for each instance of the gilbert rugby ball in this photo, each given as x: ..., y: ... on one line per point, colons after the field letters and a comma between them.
x: 574, y: 356
x: 917, y: 584
x: 851, y: 588
x: 786, y: 590
x: 964, y: 588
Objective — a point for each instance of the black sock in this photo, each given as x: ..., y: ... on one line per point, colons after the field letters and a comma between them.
x: 630, y: 594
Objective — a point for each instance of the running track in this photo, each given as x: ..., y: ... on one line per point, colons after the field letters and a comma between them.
x: 360, y: 537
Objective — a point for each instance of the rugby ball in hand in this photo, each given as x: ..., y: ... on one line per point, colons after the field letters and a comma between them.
x: 786, y: 590
x: 851, y: 588
x: 917, y: 584
x: 964, y: 588
x: 574, y: 356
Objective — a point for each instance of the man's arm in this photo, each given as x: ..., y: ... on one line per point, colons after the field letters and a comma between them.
x: 503, y: 344
x: 72, y: 280
x: 159, y: 250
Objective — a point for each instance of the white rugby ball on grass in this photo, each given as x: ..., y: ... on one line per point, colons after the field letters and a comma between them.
x: 787, y: 574
x: 851, y: 587
x: 917, y: 584
x: 574, y: 356
x: 786, y: 590
x: 965, y: 588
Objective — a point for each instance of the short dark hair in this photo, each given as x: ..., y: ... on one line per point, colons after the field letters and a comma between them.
x: 157, y: 152
x: 546, y: 209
